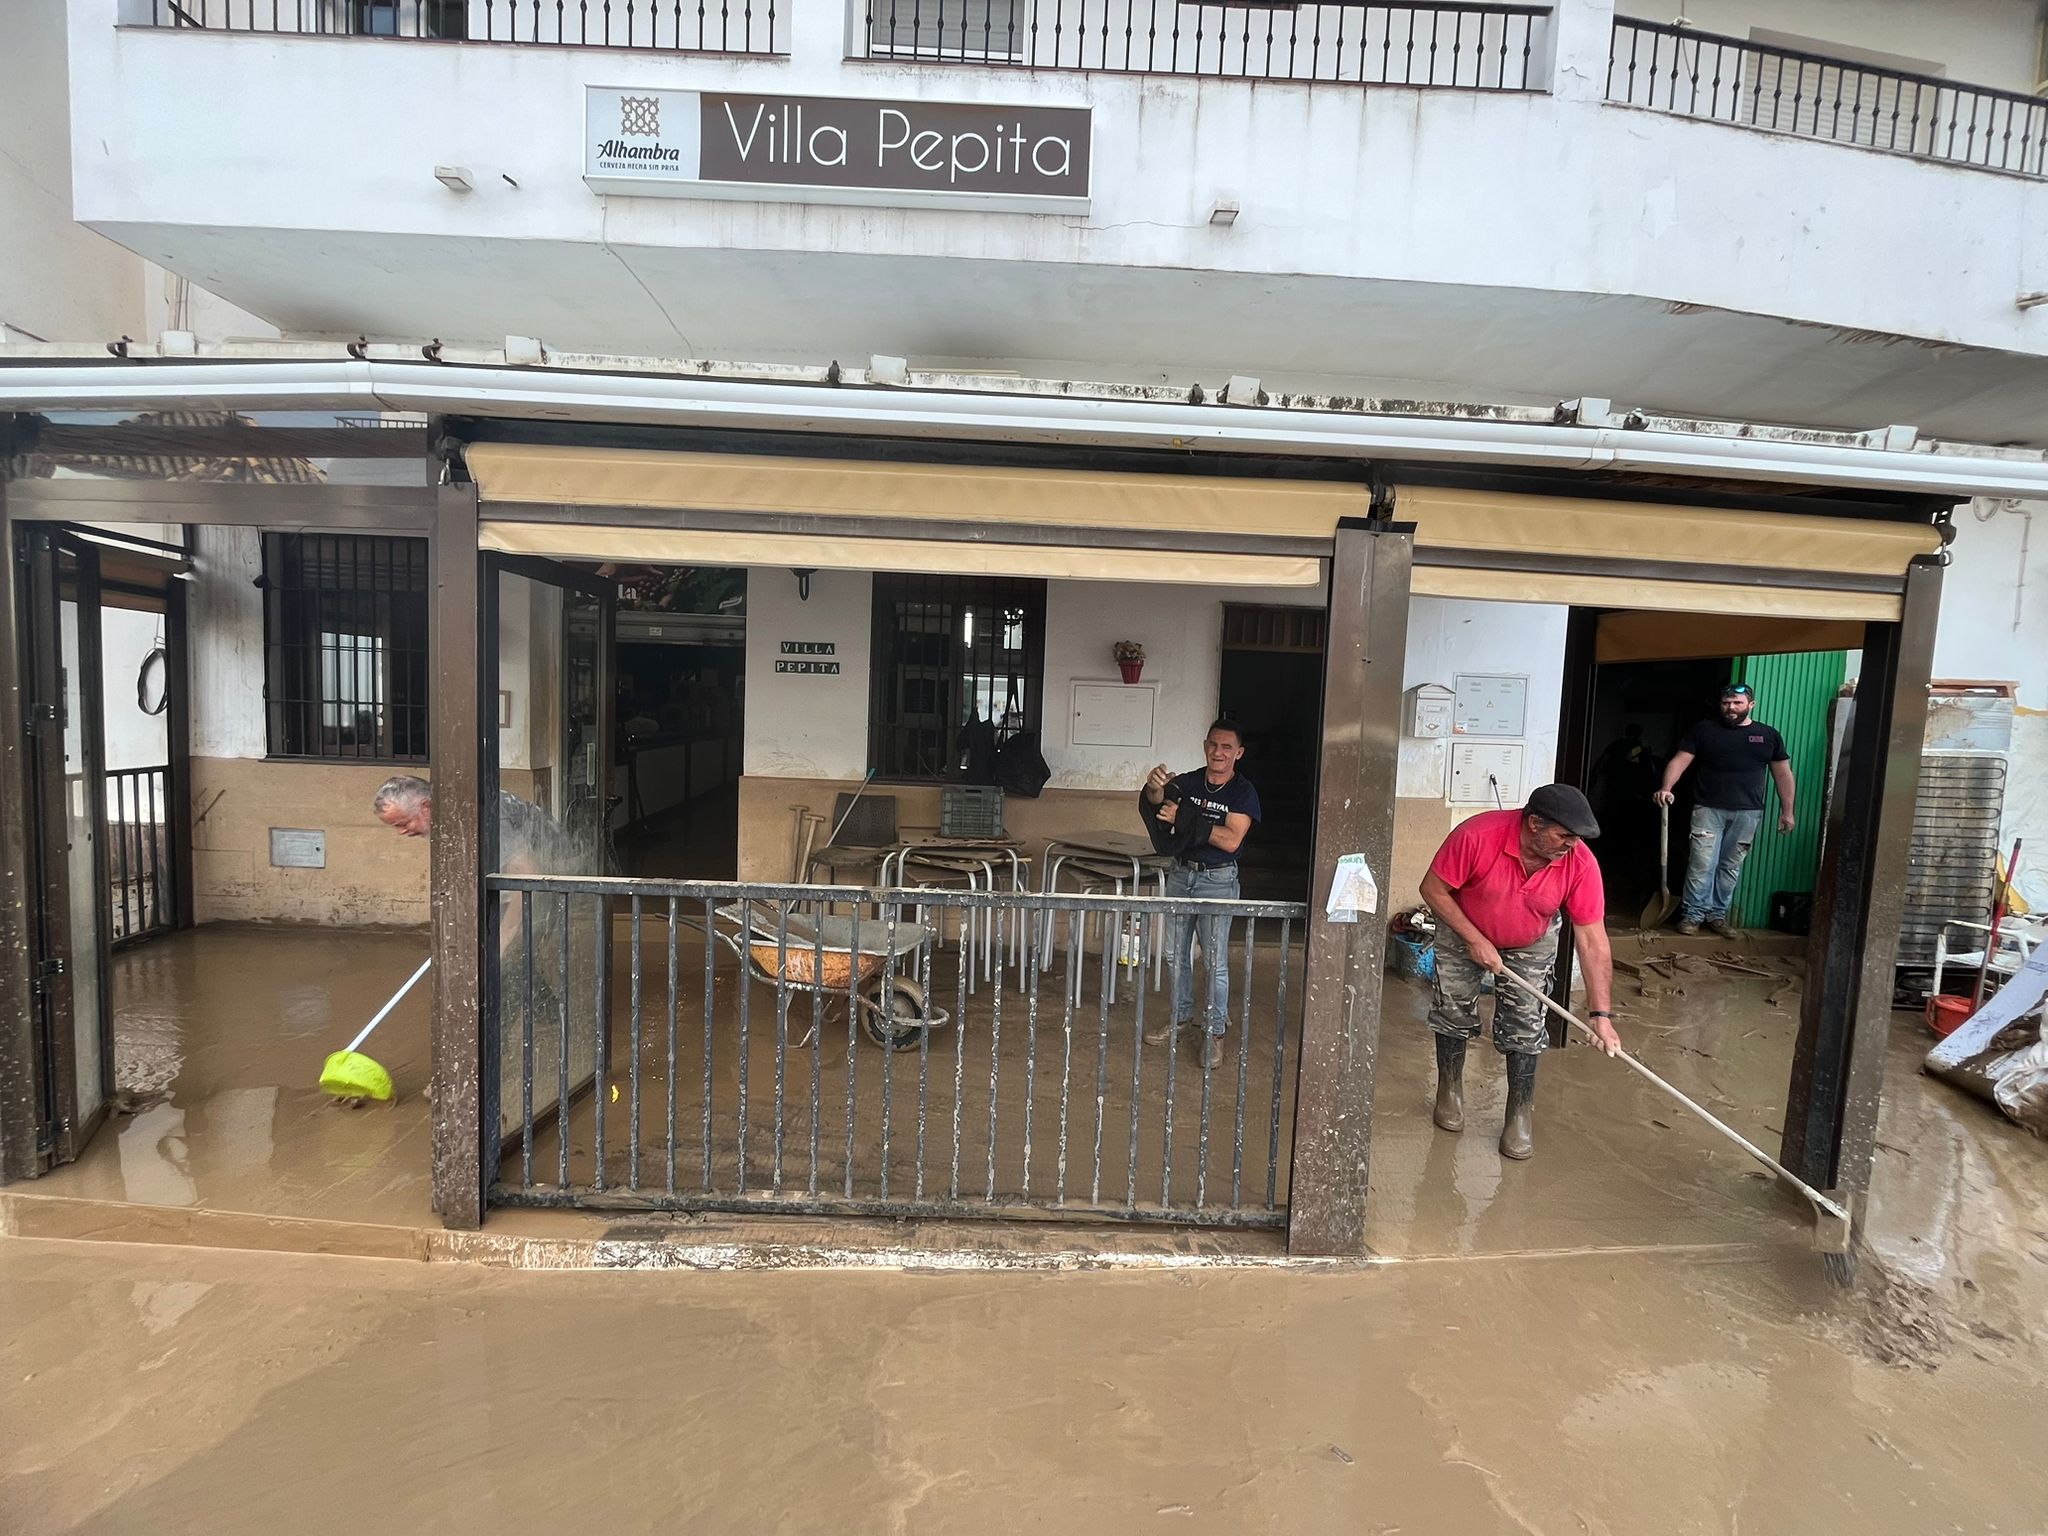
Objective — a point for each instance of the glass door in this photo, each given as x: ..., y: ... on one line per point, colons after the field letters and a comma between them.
x: 61, y: 656
x: 549, y: 756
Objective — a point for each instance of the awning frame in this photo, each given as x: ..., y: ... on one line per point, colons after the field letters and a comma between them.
x: 711, y: 520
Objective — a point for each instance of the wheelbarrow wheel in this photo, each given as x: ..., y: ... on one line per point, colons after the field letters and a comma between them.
x: 892, y: 1013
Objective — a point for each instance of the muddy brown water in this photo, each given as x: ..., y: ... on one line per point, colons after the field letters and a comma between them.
x: 187, y: 1390
x: 1626, y: 1334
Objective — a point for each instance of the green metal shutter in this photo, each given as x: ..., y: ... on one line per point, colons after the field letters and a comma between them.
x: 1793, y: 693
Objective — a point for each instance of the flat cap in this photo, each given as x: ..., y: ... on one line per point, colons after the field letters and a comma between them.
x: 1565, y: 807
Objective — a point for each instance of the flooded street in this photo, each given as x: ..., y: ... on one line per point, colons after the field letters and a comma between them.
x: 153, y: 1390
x: 1628, y: 1334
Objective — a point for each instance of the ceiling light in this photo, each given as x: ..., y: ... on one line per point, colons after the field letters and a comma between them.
x: 454, y: 177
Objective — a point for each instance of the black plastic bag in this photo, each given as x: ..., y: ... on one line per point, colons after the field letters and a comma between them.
x: 1021, y: 767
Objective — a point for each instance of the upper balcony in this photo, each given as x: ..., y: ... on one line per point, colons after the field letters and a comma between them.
x: 1512, y: 202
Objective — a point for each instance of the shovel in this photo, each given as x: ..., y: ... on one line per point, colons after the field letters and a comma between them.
x: 1658, y: 909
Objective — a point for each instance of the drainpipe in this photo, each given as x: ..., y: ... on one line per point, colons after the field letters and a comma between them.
x: 2015, y: 507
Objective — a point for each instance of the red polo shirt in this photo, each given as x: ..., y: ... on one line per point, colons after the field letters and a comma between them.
x: 1481, y: 861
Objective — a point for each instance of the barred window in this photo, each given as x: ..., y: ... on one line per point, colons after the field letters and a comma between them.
x: 949, y: 650
x: 345, y: 646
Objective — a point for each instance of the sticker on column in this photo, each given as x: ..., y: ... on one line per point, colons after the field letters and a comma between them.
x: 1352, y: 890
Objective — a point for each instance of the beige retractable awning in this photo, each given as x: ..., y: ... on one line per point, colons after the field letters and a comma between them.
x: 742, y: 509
x: 734, y: 509
x: 1620, y: 554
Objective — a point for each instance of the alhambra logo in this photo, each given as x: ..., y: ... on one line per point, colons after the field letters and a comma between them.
x: 640, y: 117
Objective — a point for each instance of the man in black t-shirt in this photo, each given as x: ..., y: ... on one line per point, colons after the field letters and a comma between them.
x: 1733, y: 752
x: 1210, y: 811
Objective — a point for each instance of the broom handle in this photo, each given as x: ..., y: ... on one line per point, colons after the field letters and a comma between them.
x: 396, y: 998
x: 1733, y: 1135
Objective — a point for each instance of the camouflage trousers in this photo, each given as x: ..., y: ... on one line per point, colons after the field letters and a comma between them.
x: 1519, y: 1025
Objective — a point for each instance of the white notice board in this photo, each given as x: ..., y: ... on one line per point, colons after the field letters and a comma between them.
x: 1490, y: 704
x: 1112, y: 714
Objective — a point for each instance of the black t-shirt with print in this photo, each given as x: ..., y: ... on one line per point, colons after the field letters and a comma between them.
x: 1211, y: 803
x: 1730, y: 761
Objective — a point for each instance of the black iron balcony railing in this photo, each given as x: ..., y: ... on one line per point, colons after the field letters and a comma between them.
x: 1730, y: 80
x: 1474, y: 47
x: 686, y: 26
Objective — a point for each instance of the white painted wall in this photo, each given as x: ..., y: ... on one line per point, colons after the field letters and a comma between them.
x: 60, y: 281
x: 340, y: 225
x: 1181, y: 629
x: 1447, y: 636
x: 226, y: 616
x: 1994, y: 625
x: 816, y: 727
x: 529, y: 672
x: 808, y: 725
x: 57, y: 280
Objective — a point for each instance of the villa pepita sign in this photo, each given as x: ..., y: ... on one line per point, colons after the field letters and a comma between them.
x: 837, y: 149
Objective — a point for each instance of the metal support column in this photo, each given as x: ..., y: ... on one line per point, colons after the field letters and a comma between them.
x: 1574, y: 766
x: 18, y: 1018
x: 456, y: 860
x: 178, y: 723
x: 1368, y: 640
x: 1838, y: 1062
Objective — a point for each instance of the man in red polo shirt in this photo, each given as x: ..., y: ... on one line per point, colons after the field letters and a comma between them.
x: 1496, y: 886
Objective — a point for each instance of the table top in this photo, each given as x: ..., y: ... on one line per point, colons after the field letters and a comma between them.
x: 849, y: 856
x: 963, y: 844
x: 1121, y: 845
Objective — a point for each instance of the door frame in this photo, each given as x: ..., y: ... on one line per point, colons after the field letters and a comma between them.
x: 61, y: 1135
x: 556, y: 573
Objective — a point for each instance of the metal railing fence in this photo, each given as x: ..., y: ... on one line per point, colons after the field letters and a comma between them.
x: 694, y: 1045
x: 698, y: 26
x: 1756, y: 85
x: 142, y: 887
x: 1475, y: 47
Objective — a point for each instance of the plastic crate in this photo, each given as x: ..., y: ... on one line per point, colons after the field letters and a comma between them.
x: 970, y: 810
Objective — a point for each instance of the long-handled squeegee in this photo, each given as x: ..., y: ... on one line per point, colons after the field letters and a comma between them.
x: 1833, y: 1231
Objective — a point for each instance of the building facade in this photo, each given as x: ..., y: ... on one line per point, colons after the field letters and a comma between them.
x: 1610, y: 316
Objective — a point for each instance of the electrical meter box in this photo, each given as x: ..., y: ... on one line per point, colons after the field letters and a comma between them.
x: 1430, y: 707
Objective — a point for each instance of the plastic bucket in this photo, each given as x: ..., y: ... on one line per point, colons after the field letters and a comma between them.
x: 1412, y: 958
x: 1946, y: 1014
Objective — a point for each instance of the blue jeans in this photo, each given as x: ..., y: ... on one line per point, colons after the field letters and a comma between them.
x: 1218, y: 884
x: 1720, y: 842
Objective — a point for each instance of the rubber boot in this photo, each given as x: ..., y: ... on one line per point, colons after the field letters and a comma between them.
x: 1450, y: 1084
x: 1517, y: 1138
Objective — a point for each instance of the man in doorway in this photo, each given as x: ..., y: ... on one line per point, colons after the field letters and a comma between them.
x: 529, y: 842
x: 1497, y: 886
x: 1733, y: 751
x: 1210, y: 811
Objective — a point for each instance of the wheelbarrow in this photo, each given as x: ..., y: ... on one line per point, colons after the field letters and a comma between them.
x: 812, y: 953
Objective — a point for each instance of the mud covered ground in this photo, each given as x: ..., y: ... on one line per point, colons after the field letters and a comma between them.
x: 1627, y: 1334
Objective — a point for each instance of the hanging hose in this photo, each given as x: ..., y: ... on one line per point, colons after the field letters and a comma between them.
x: 159, y: 660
